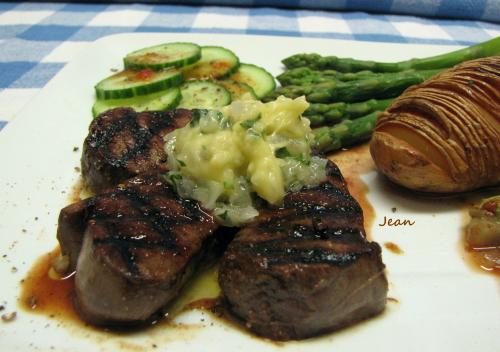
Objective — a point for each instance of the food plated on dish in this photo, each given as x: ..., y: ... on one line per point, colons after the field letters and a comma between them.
x: 249, y: 166
x: 295, y: 243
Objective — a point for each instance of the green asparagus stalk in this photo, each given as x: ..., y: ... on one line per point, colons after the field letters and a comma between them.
x: 328, y: 139
x: 380, y: 86
x: 304, y: 75
x: 318, y: 62
x: 327, y: 114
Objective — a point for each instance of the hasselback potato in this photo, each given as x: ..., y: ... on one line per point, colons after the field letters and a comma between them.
x: 444, y: 135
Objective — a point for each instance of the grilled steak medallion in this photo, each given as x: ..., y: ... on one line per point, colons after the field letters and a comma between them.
x: 305, y: 268
x: 294, y: 272
x: 133, y: 247
x: 123, y: 143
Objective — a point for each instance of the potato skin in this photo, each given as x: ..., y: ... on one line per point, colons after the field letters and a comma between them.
x: 444, y: 135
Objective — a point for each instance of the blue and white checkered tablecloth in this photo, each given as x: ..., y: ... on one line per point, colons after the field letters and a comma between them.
x: 38, y: 39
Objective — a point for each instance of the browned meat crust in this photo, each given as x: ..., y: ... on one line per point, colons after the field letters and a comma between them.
x: 123, y: 143
x: 305, y: 268
x: 296, y: 271
x: 133, y: 248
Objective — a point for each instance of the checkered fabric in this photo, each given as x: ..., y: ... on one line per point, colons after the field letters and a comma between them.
x: 484, y: 10
x: 38, y: 39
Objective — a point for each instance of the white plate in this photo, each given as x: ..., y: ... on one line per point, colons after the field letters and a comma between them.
x: 444, y: 305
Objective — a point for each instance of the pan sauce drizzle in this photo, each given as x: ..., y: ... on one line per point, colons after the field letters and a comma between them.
x: 43, y: 295
x: 353, y: 163
x: 484, y: 259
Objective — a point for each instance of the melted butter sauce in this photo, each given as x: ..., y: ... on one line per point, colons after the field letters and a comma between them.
x: 200, y: 293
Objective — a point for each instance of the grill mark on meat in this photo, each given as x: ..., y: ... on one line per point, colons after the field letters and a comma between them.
x: 161, y: 223
x: 333, y: 191
x: 136, y: 246
x: 123, y: 143
x: 140, y: 207
x: 281, y: 256
x: 305, y: 268
x: 103, y: 138
x: 144, y: 211
x: 106, y: 139
x: 284, y: 274
x: 124, y: 249
x: 307, y: 211
x: 278, y: 254
x: 117, y: 233
x: 125, y: 244
x: 306, y: 245
x: 300, y: 232
x: 123, y: 241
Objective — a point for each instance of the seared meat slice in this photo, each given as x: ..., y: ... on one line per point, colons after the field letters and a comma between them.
x: 133, y: 247
x: 305, y: 268
x: 123, y: 143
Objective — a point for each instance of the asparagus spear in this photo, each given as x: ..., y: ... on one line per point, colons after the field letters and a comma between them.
x: 380, y: 86
x: 322, y: 114
x: 347, y: 132
x: 315, y: 61
x: 304, y: 75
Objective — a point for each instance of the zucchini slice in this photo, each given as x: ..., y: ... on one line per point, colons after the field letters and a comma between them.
x: 163, y: 100
x: 216, y: 62
x: 203, y: 95
x: 238, y: 90
x: 256, y: 77
x: 130, y: 83
x: 164, y: 55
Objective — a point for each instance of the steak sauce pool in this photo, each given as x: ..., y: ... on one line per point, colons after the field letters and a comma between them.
x: 50, y: 297
x: 43, y: 295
